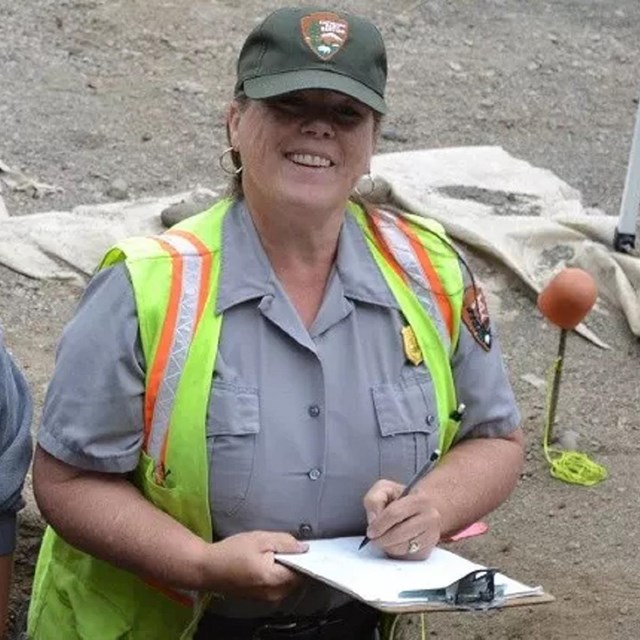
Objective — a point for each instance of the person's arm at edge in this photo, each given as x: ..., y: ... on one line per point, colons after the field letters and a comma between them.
x: 6, y: 565
x: 15, y: 457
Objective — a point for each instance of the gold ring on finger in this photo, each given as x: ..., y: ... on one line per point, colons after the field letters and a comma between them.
x: 414, y: 547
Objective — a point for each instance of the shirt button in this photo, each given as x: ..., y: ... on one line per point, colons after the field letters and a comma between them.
x: 429, y: 419
x: 305, y: 530
x: 314, y: 410
x: 314, y: 474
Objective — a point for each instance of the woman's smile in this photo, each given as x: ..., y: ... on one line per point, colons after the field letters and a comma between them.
x: 310, y: 160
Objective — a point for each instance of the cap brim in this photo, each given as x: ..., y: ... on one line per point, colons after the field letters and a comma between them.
x: 277, y: 84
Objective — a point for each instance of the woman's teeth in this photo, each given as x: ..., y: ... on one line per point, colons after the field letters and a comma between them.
x: 309, y: 160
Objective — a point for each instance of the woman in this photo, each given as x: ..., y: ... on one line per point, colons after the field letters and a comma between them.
x: 15, y: 455
x: 270, y: 371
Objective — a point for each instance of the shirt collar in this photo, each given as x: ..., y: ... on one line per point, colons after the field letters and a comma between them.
x: 246, y: 272
x: 360, y: 275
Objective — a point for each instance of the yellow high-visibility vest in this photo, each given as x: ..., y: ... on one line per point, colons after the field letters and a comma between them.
x: 175, y: 283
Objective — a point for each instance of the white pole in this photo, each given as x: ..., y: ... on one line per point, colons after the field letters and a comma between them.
x: 625, y: 235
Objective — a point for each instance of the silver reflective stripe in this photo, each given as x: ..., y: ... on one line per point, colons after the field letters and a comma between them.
x: 400, y: 247
x: 185, y: 326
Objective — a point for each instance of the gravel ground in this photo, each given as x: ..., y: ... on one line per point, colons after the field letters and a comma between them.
x: 126, y: 98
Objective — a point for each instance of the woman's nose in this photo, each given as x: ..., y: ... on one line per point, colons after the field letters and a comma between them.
x: 319, y: 127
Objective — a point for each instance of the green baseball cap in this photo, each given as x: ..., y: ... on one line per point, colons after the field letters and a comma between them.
x: 312, y: 48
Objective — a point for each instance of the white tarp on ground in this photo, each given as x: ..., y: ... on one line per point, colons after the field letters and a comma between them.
x: 67, y: 245
x: 526, y: 217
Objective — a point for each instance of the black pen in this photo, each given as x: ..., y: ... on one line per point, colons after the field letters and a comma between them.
x: 429, y: 464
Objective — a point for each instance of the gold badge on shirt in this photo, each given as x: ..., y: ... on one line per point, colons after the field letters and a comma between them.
x: 411, y: 347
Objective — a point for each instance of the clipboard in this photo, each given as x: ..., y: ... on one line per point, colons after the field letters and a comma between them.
x: 445, y: 581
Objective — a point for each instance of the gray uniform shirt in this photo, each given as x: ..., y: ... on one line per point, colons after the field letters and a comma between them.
x: 301, y: 422
x: 15, y: 445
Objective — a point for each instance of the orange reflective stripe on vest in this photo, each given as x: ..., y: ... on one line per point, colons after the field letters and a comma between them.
x: 190, y: 284
x: 206, y: 257
x: 191, y: 271
x: 403, y: 250
x: 185, y: 598
x: 158, y: 366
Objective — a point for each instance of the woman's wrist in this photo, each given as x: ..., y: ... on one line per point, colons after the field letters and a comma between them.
x: 201, y: 565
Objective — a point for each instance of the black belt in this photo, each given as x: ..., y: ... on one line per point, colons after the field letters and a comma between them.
x: 353, y: 621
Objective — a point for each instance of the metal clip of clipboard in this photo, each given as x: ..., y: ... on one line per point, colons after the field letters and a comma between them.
x: 475, y: 591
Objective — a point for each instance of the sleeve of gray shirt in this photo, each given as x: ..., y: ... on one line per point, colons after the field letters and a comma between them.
x: 15, y: 445
x: 482, y: 384
x: 93, y: 412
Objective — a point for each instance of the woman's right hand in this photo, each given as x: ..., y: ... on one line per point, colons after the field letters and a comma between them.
x: 244, y: 566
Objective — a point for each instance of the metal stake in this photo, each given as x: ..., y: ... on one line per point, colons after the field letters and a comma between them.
x: 555, y: 388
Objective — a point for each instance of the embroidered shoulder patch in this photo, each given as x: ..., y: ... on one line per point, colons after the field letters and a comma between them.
x: 324, y: 32
x: 475, y: 315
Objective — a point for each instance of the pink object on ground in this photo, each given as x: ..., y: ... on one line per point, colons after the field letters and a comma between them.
x: 475, y: 529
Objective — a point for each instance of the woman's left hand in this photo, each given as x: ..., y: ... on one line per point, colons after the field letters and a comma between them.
x: 406, y: 528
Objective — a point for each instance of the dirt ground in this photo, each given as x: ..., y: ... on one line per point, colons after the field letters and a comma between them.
x: 97, y: 92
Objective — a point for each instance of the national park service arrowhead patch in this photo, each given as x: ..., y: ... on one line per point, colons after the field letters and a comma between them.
x: 324, y: 32
x: 475, y: 315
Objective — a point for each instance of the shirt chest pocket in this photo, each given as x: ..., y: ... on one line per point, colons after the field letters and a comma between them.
x: 233, y: 424
x: 408, y: 423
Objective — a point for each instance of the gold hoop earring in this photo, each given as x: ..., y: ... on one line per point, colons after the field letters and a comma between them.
x: 230, y: 172
x: 370, y: 190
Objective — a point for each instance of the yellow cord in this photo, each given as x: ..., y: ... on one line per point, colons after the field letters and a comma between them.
x: 388, y: 633
x: 569, y: 466
x: 423, y: 626
x: 392, y: 629
x: 198, y: 611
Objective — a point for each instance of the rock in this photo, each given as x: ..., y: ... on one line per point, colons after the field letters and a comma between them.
x: 568, y: 440
x: 393, y: 135
x: 118, y: 189
x: 187, y: 86
x: 177, y: 212
x: 533, y: 380
x: 403, y: 20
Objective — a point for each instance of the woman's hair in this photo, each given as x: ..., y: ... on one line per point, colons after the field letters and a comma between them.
x: 234, y: 188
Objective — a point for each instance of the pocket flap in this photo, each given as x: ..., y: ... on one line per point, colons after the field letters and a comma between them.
x: 233, y: 410
x: 406, y: 407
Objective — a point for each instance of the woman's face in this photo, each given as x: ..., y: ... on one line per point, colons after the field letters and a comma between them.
x: 305, y: 148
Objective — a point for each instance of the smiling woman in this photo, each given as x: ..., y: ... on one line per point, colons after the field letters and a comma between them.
x: 343, y: 114
x: 301, y: 156
x: 275, y: 369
